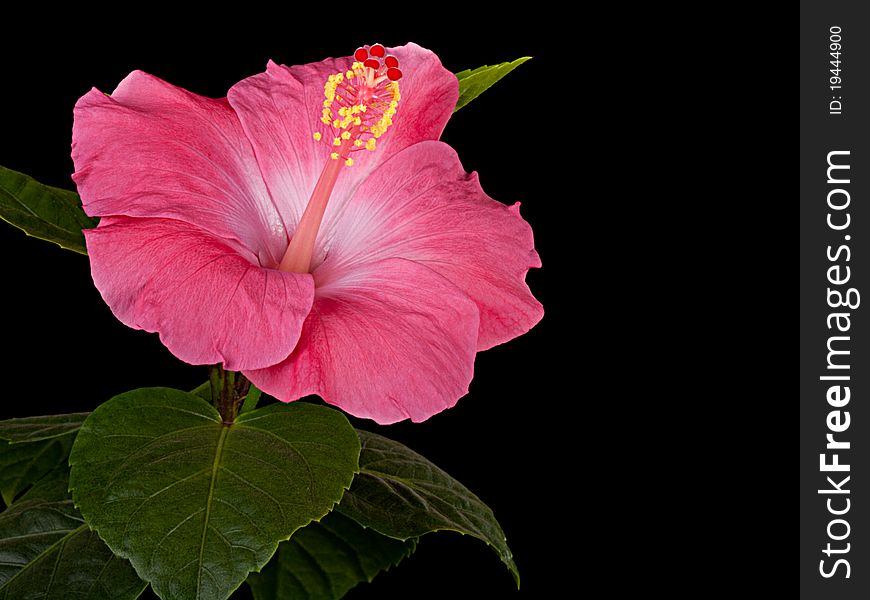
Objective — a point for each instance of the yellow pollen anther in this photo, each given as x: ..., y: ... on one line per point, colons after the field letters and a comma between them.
x: 365, y: 105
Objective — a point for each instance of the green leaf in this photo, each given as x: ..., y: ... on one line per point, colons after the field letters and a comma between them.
x: 42, y: 211
x: 196, y: 505
x: 401, y: 494
x: 203, y: 390
x: 325, y: 560
x: 34, y: 429
x: 472, y: 83
x: 48, y: 552
x: 251, y: 399
x: 23, y: 464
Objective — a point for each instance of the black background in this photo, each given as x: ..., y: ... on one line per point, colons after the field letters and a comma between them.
x: 510, y: 440
x: 821, y: 133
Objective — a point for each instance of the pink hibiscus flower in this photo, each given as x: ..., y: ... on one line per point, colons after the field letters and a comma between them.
x: 308, y: 230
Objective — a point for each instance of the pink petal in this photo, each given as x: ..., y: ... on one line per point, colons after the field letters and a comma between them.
x: 393, y: 340
x: 273, y: 109
x: 155, y: 150
x: 208, y: 303
x: 281, y: 109
x: 429, y: 95
x: 421, y: 205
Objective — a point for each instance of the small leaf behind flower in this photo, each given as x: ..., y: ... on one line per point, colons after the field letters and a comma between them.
x: 48, y: 552
x: 34, y: 429
x: 42, y: 211
x: 324, y: 560
x: 473, y: 82
x: 30, y: 447
x: 196, y: 505
x: 403, y: 495
x: 24, y: 464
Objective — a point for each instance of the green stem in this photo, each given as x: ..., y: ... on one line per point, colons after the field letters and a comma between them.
x: 215, y: 377
x: 228, y: 389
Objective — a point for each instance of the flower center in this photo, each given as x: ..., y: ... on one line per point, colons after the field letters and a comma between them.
x: 358, y: 109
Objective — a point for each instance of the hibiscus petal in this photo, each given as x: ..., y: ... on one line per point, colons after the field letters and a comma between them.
x: 272, y: 108
x: 429, y: 95
x: 421, y: 205
x: 391, y: 341
x: 281, y: 108
x: 208, y: 303
x: 155, y: 150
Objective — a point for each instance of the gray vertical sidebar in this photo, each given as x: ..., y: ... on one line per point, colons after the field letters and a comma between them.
x: 820, y: 134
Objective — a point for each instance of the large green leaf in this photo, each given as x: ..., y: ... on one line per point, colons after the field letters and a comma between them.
x: 326, y: 559
x: 401, y: 494
x: 473, y: 82
x: 23, y: 464
x: 42, y: 211
x: 196, y: 505
x: 47, y: 551
x: 34, y: 429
